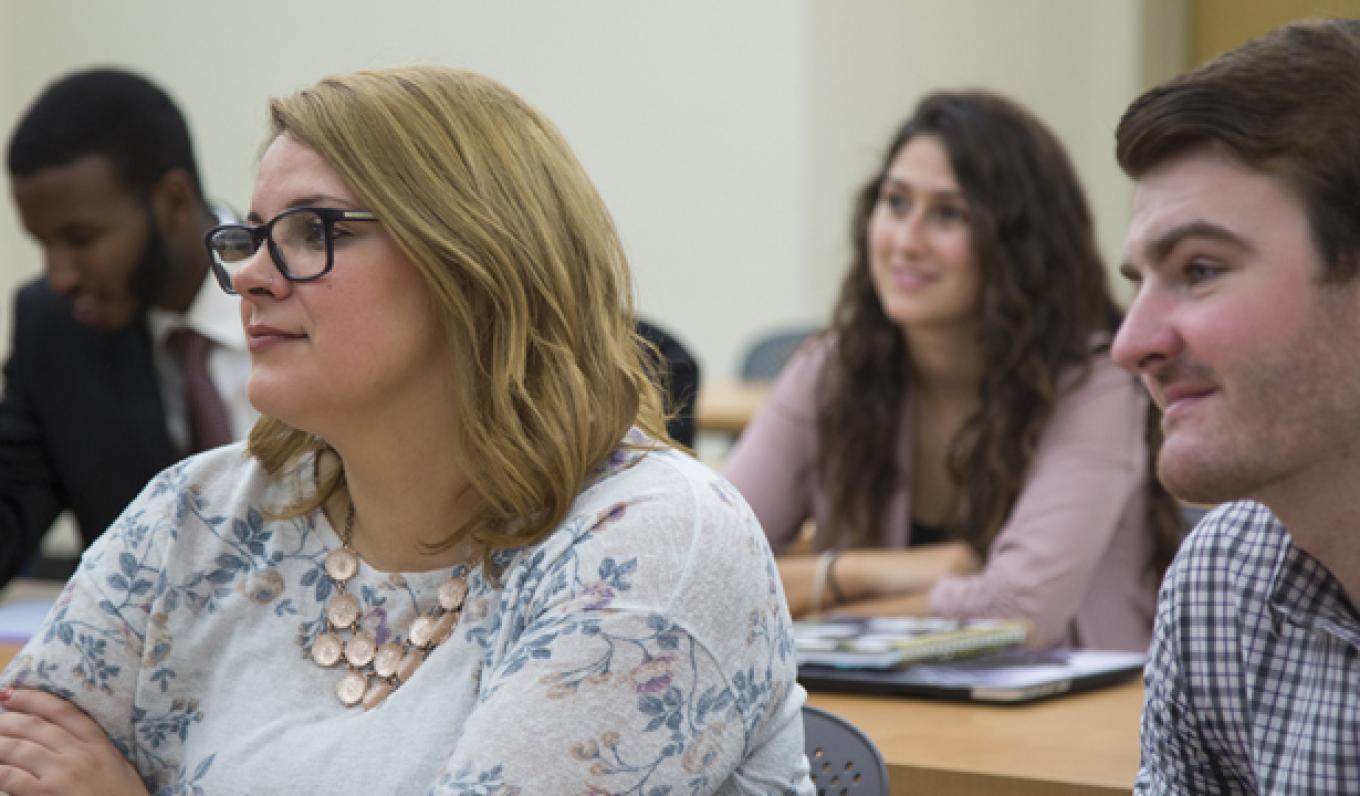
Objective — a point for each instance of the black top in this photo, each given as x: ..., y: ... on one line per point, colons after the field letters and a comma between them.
x: 926, y: 534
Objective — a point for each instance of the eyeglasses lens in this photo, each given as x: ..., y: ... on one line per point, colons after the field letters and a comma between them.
x: 232, y: 245
x: 300, y: 238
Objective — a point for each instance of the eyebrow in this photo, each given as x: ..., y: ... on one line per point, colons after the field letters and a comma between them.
x: 1161, y: 247
x: 941, y: 193
x: 310, y: 200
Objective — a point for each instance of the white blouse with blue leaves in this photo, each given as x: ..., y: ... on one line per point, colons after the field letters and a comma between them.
x: 643, y: 647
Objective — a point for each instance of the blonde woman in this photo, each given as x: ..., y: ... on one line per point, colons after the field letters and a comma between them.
x: 457, y: 554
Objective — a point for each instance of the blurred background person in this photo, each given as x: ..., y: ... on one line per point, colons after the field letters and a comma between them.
x: 126, y: 355
x: 959, y: 434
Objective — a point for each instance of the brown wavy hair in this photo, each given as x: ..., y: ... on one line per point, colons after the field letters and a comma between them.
x: 1045, y: 308
x: 523, y: 267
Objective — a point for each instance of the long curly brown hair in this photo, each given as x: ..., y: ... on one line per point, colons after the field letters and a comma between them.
x: 1044, y: 300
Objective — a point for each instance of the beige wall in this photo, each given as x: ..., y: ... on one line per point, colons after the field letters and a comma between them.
x: 15, y: 257
x: 725, y: 135
x: 1075, y: 63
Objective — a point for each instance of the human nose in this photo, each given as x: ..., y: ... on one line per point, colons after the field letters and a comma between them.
x: 259, y: 276
x: 1148, y: 338
x: 908, y: 232
x: 63, y: 274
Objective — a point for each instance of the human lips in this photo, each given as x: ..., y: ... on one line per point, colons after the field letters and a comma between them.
x: 96, y: 310
x: 86, y: 309
x: 260, y: 336
x: 908, y: 278
x: 1177, y: 398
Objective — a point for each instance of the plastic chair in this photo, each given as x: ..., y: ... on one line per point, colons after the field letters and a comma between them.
x: 769, y: 354
x: 842, y: 758
x: 682, y: 373
x: 1191, y: 514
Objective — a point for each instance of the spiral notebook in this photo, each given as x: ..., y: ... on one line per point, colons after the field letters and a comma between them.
x: 883, y: 643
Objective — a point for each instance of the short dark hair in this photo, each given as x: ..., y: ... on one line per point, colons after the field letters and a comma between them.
x: 1284, y: 104
x: 119, y: 115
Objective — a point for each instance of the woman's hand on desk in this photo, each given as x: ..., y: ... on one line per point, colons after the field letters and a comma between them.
x: 48, y: 746
x: 874, y: 582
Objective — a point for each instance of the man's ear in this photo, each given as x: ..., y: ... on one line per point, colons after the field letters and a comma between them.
x: 174, y: 200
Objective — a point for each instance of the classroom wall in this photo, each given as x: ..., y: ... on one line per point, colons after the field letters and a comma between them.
x: 1076, y: 65
x: 16, y: 259
x: 725, y: 135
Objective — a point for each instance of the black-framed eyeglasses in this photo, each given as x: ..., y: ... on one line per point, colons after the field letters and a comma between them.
x: 301, y: 243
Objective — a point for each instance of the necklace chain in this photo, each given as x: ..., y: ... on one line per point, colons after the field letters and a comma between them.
x: 373, y: 672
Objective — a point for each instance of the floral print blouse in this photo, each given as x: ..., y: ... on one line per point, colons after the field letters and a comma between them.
x: 643, y: 647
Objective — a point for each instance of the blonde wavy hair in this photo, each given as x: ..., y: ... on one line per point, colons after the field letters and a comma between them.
x: 525, y: 271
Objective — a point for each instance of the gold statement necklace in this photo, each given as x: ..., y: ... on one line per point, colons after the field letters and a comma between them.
x: 373, y: 672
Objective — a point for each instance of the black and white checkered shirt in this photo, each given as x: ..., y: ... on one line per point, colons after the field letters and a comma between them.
x: 1253, y: 680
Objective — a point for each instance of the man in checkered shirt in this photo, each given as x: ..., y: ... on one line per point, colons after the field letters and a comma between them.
x: 1244, y: 245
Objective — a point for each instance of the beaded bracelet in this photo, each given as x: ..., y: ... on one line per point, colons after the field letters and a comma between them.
x: 819, y: 579
x: 832, y: 587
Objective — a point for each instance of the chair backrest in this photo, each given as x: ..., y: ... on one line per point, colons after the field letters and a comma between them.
x: 682, y: 379
x: 1191, y: 514
x: 768, y: 355
x: 842, y: 758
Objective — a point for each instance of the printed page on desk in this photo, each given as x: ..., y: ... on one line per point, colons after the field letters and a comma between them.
x: 893, y: 642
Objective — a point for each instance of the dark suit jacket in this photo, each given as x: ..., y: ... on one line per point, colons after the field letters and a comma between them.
x: 81, y: 424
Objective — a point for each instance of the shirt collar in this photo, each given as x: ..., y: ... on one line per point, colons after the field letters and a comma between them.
x: 213, y: 313
x: 1304, y: 593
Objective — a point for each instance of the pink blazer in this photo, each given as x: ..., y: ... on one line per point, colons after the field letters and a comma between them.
x: 1073, y: 555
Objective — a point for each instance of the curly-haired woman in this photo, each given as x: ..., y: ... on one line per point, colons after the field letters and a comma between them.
x: 960, y: 435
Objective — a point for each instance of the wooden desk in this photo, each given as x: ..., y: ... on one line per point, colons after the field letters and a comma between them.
x: 1081, y: 745
x: 726, y: 408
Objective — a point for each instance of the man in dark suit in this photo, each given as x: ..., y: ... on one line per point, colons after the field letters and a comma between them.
x: 125, y: 354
